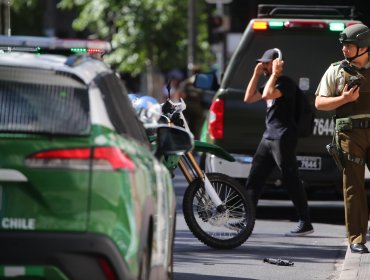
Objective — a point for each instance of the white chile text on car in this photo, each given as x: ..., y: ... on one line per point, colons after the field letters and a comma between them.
x: 18, y: 223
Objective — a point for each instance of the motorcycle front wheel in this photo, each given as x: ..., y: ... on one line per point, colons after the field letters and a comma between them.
x: 224, y: 228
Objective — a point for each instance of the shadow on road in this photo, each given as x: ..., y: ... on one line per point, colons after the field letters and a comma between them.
x: 185, y: 276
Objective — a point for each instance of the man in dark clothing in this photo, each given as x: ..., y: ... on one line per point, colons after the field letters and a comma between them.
x: 279, y: 141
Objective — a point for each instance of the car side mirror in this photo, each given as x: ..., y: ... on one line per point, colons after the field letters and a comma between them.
x: 206, y: 81
x: 173, y: 141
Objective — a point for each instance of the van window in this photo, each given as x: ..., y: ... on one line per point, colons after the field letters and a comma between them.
x: 307, y: 54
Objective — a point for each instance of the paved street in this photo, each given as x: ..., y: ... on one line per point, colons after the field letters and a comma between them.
x: 316, y: 256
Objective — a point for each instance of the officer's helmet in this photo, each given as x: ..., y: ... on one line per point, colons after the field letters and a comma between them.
x: 357, y: 34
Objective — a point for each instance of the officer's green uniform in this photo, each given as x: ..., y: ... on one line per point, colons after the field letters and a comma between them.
x: 353, y: 136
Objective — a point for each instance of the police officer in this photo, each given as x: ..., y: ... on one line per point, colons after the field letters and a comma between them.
x: 352, y: 130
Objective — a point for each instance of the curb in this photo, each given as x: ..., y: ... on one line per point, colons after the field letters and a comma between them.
x: 355, y: 266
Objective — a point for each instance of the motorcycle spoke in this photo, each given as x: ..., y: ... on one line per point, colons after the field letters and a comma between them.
x: 212, y: 221
x: 219, y: 227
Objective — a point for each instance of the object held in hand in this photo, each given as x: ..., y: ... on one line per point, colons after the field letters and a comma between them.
x: 354, y: 82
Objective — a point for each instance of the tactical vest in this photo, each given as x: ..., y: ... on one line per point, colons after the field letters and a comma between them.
x: 362, y: 104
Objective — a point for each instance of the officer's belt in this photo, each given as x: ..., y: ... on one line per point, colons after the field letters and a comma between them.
x: 349, y: 123
x: 361, y: 123
x: 342, y: 124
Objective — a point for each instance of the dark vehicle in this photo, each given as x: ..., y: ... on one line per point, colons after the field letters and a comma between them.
x: 308, y: 37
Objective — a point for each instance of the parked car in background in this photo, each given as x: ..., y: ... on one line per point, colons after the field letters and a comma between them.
x: 308, y: 37
x: 82, y: 195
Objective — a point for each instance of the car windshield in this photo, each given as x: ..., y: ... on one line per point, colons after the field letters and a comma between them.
x: 34, y: 101
x: 307, y: 54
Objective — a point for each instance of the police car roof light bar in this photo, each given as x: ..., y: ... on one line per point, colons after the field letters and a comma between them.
x: 53, y: 43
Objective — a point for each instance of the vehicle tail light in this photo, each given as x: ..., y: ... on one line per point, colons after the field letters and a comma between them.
x: 302, y: 24
x: 276, y: 24
x: 351, y: 23
x: 99, y: 158
x: 336, y: 26
x: 95, y: 51
x: 85, y: 50
x: 78, y: 50
x: 216, y: 119
x: 107, y: 269
x: 260, y: 25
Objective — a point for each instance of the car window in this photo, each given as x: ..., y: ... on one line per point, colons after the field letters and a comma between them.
x: 119, y: 107
x: 307, y: 54
x: 39, y: 101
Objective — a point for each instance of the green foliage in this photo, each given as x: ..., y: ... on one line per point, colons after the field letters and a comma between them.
x: 21, y: 21
x: 140, y: 31
x: 18, y: 5
x: 154, y: 30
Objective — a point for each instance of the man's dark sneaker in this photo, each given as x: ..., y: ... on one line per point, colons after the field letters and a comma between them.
x: 302, y: 229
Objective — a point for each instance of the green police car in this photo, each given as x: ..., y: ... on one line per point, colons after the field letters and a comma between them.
x: 82, y: 195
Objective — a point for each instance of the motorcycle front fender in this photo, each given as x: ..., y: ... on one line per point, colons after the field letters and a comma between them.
x: 213, y: 149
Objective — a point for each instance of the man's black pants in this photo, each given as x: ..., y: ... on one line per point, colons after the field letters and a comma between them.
x: 280, y: 153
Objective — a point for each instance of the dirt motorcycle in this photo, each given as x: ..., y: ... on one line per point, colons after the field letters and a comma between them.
x: 216, y: 207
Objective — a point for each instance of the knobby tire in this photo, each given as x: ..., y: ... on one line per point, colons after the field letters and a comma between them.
x: 214, y: 229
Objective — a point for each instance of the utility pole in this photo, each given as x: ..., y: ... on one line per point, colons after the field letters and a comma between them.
x: 5, y: 17
x: 50, y: 18
x: 192, y: 35
x: 219, y: 47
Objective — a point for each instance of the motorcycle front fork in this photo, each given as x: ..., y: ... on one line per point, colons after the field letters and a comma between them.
x: 191, y: 170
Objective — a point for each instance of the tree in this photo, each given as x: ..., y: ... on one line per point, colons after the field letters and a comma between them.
x: 142, y: 31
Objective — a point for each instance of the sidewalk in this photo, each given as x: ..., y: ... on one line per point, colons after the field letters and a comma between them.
x: 356, y: 266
